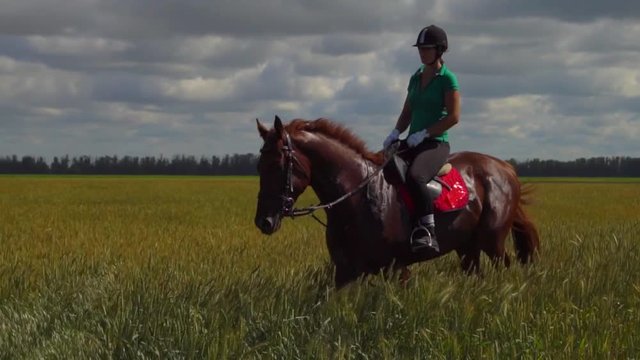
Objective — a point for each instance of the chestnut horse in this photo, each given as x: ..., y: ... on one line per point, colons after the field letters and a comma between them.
x: 368, y: 225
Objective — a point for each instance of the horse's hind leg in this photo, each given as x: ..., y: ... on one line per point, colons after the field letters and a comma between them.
x: 492, y: 232
x: 470, y: 258
x: 489, y: 241
x: 494, y: 246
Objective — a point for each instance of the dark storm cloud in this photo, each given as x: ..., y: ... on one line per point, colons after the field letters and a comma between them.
x: 125, y: 87
x: 149, y: 18
x: 568, y: 10
x: 146, y: 76
x: 346, y: 44
x: 368, y: 97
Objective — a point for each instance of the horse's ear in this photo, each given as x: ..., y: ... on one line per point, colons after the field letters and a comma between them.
x: 262, y: 130
x: 277, y: 124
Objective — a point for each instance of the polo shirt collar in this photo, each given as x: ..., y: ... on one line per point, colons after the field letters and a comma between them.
x: 440, y: 72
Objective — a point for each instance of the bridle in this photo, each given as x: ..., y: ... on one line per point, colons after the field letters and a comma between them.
x: 288, y: 210
x: 287, y: 195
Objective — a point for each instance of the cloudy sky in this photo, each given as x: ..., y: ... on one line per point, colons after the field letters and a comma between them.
x: 539, y: 79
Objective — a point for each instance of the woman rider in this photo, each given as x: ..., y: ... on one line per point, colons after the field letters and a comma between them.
x: 432, y: 106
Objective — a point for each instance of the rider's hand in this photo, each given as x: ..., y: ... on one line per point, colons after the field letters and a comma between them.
x: 417, y: 137
x: 391, y: 138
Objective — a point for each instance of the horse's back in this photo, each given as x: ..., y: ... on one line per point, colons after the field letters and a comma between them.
x: 482, y: 167
x: 480, y: 161
x: 493, y: 185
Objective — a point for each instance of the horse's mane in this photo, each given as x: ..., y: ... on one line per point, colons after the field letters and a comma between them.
x: 337, y: 132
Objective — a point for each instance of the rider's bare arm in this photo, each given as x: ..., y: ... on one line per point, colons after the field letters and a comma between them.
x: 452, y: 103
x: 405, y: 117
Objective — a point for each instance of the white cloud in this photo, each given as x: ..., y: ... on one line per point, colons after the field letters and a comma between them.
x: 33, y: 84
x: 199, y: 89
x: 510, y: 109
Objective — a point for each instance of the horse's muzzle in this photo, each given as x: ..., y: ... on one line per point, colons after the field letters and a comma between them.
x: 268, y: 224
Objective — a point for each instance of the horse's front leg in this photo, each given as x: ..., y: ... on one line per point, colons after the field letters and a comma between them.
x: 344, y: 275
x: 405, y: 275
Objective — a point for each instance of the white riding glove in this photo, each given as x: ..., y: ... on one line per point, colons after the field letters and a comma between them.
x: 417, y: 137
x: 391, y: 138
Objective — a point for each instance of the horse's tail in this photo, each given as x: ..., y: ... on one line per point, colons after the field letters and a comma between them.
x: 525, y: 234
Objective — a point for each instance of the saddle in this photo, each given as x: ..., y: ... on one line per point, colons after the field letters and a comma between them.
x: 447, y: 188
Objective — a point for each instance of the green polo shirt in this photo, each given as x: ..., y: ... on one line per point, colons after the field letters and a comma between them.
x: 427, y: 104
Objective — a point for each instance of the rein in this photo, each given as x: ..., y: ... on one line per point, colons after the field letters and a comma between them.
x: 287, y: 198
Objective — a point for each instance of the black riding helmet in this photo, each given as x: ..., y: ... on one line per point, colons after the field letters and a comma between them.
x: 433, y: 36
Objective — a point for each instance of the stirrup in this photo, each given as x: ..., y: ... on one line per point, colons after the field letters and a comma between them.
x: 419, y: 242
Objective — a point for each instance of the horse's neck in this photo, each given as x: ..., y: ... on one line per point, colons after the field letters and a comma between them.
x: 336, y: 170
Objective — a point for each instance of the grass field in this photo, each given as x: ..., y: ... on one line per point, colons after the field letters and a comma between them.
x: 173, y: 267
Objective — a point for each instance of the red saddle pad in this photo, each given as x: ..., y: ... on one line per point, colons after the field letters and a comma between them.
x: 454, y: 196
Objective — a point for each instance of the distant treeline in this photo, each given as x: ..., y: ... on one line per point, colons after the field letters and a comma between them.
x: 245, y: 164
x: 148, y: 165
x: 617, y: 166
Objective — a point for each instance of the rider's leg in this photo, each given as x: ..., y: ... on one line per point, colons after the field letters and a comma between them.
x: 429, y: 159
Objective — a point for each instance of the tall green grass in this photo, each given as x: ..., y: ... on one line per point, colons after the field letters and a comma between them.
x: 137, y: 267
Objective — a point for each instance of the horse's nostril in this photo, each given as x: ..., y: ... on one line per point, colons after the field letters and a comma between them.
x: 265, y: 224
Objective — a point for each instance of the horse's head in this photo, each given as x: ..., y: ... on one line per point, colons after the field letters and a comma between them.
x: 284, y: 175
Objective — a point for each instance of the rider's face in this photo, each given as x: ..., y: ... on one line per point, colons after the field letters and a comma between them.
x: 427, y: 54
